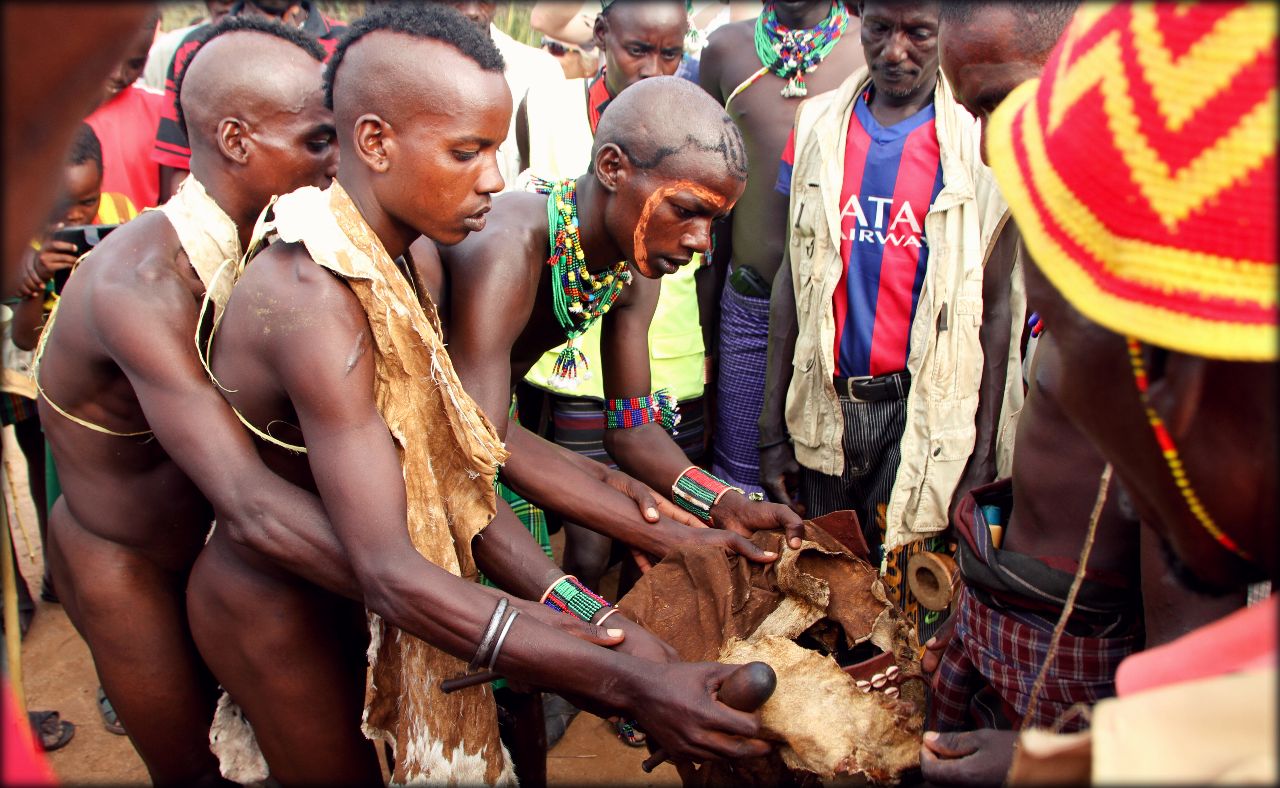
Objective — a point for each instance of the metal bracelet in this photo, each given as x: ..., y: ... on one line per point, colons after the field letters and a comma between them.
x: 482, y: 651
x: 502, y: 637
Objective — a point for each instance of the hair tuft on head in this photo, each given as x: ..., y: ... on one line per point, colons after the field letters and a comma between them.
x: 85, y: 147
x: 429, y: 21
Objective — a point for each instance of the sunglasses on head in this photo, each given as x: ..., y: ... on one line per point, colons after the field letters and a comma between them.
x: 558, y: 48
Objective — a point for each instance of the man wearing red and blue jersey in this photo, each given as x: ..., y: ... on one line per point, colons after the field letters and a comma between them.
x: 872, y: 379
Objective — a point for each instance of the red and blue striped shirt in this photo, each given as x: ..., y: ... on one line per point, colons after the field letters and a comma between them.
x: 891, y: 177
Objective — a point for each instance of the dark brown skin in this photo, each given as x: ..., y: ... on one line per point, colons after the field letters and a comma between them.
x: 759, y: 220
x: 900, y: 44
x: 639, y: 40
x: 283, y: 366
x: 1056, y: 467
x: 611, y: 207
x: 133, y: 516
x: 51, y: 83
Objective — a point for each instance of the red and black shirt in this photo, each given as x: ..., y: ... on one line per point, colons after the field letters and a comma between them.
x: 171, y: 146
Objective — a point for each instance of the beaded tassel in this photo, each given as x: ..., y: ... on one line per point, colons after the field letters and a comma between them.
x: 636, y: 411
x: 579, y: 298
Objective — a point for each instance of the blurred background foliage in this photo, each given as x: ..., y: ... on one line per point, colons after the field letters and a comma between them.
x: 512, y: 17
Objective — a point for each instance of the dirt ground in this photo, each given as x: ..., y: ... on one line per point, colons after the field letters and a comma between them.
x: 58, y: 674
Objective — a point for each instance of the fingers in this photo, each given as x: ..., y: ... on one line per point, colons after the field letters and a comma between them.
x: 645, y: 500
x: 642, y: 560
x: 748, y: 549
x: 776, y: 490
x: 670, y: 510
x: 794, y: 527
x: 591, y: 633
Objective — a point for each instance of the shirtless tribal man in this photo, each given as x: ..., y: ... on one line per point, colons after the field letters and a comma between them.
x: 142, y: 440
x: 645, y: 207
x: 405, y: 471
x: 762, y: 102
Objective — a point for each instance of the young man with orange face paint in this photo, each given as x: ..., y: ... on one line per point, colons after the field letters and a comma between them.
x: 644, y: 209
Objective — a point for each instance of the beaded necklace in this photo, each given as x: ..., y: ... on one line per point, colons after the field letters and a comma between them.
x: 1171, y: 458
x: 792, y: 54
x: 579, y: 297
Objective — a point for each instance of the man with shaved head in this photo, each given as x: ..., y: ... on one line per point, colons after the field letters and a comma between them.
x: 332, y: 352
x: 666, y: 163
x: 142, y: 440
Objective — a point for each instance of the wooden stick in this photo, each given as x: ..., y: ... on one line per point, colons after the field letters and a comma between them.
x: 12, y: 632
x: 17, y: 513
x: 462, y: 682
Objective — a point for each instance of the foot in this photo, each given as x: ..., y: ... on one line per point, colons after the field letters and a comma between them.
x: 50, y: 729
x: 109, y: 719
x: 629, y: 733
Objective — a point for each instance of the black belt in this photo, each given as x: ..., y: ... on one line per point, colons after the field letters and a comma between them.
x: 894, y: 385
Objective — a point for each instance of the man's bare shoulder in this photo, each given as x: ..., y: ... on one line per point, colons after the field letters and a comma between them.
x: 284, y: 292
x: 145, y: 251
x: 516, y: 230
x: 729, y: 39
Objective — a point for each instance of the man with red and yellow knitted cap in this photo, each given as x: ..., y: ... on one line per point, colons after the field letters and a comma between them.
x: 1141, y: 171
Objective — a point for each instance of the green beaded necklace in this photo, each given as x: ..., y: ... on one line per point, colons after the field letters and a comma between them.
x: 579, y: 297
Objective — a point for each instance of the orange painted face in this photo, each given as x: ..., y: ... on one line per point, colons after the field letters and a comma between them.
x: 675, y: 223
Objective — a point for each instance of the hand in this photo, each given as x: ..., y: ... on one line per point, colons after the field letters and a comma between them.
x: 934, y: 646
x: 678, y: 713
x: 736, y: 513
x: 640, y: 642
x: 981, y: 757
x: 671, y: 536
x: 653, y: 507
x: 54, y: 256
x: 780, y: 475
x: 608, y: 636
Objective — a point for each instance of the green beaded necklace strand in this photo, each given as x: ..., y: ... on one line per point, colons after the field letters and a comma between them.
x: 579, y: 298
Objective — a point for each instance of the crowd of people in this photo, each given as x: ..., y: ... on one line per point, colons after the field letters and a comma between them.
x: 334, y: 323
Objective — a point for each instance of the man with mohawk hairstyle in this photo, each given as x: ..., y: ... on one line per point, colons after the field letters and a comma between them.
x: 404, y: 469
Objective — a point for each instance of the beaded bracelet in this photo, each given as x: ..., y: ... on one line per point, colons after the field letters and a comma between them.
x: 568, y: 595
x: 697, y: 491
x: 623, y: 414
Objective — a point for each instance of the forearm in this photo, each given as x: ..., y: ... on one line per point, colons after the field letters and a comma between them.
x: 452, y: 614
x: 289, y: 526
x: 510, y: 557
x: 28, y: 320
x: 783, y: 330
x: 554, y: 478
x: 648, y: 453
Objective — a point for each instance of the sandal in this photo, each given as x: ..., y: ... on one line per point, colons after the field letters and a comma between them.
x: 629, y: 733
x: 52, y: 731
x: 110, y: 720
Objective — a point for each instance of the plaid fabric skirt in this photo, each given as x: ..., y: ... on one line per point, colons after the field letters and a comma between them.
x: 988, y: 668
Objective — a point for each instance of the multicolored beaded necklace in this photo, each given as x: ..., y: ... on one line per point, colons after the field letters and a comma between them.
x: 792, y: 54
x: 1171, y: 458
x: 579, y: 297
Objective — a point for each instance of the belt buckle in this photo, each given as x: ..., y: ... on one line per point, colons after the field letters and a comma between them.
x: 851, y: 382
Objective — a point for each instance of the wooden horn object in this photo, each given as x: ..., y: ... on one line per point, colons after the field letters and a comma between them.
x: 746, y: 689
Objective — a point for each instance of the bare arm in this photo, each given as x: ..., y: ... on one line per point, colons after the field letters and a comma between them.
x: 648, y: 452
x: 198, y: 429
x: 357, y: 470
x: 585, y: 491
x: 994, y: 337
x: 779, y: 472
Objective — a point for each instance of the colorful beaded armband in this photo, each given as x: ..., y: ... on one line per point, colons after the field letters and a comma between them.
x: 1036, y: 324
x: 697, y: 491
x: 568, y: 595
x: 623, y: 414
